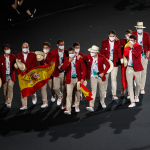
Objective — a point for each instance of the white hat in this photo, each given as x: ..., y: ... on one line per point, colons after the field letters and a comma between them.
x: 124, y: 61
x: 40, y: 55
x: 139, y: 25
x: 78, y: 85
x: 111, y: 66
x: 20, y: 65
x: 94, y: 49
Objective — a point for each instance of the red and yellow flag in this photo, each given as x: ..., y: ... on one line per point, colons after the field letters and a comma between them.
x: 34, y: 79
x: 87, y: 93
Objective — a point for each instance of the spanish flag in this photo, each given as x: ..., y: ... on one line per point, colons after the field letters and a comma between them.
x: 87, y: 93
x: 34, y: 79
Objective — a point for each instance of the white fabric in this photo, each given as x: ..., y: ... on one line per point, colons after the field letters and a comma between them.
x: 45, y: 56
x: 25, y: 57
x: 140, y: 41
x: 130, y: 62
x: 73, y: 68
x: 61, y: 54
x: 111, y: 50
x: 94, y: 68
x: 7, y: 65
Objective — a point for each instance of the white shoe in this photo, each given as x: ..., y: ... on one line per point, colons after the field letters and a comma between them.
x: 34, y: 100
x: 77, y: 109
x: 6, y: 102
x: 59, y: 101
x: 73, y: 105
x: 53, y: 99
x: 132, y: 105
x: 114, y: 97
x: 142, y: 91
x: 23, y: 108
x: 128, y: 96
x: 91, y: 109
x: 8, y: 105
x: 44, y: 105
x: 137, y: 99
x: 105, y: 93
x: 67, y: 112
x: 103, y: 105
x: 63, y: 107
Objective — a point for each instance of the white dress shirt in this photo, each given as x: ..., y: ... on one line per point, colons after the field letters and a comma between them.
x: 61, y: 54
x: 73, y: 68
x: 140, y: 41
x: 130, y: 62
x: 111, y: 50
x: 7, y: 65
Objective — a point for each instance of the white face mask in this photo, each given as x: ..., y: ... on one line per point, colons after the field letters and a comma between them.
x: 92, y: 54
x: 61, y: 47
x: 25, y: 50
x: 77, y: 50
x: 7, y: 51
x: 127, y: 37
x: 139, y: 31
x: 131, y: 42
x: 45, y: 50
x: 111, y: 38
x: 71, y: 55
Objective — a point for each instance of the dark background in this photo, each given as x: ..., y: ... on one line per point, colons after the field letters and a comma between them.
x: 122, y: 129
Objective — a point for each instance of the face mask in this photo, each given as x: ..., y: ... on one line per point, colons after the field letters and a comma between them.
x: 131, y: 42
x: 71, y: 55
x: 139, y: 30
x: 92, y: 54
x: 7, y: 51
x: 25, y: 50
x: 61, y: 47
x: 45, y: 51
x: 111, y: 38
x: 127, y: 37
x: 77, y: 50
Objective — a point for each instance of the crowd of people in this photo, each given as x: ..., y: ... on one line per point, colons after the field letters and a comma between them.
x: 73, y: 67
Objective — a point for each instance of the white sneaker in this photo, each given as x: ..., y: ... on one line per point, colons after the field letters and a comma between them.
x: 91, y: 109
x: 105, y: 93
x: 6, y: 102
x: 8, y: 105
x: 53, y: 99
x: 23, y: 108
x: 77, y: 109
x: 63, y: 107
x: 67, y: 112
x: 142, y: 91
x: 114, y: 97
x: 44, y: 105
x: 34, y: 100
x: 103, y: 105
x: 73, y: 105
x: 137, y: 99
x: 132, y: 105
x: 128, y: 96
x: 59, y: 101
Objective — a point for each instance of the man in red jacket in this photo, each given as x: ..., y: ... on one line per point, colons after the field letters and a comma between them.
x: 7, y: 73
x: 111, y: 49
x: 144, y: 40
x: 29, y: 59
x: 58, y: 77
x: 134, y: 68
x: 45, y: 61
x: 73, y: 68
x: 96, y: 73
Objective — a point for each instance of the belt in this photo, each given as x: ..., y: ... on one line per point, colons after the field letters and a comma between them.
x: 73, y: 77
x: 130, y: 66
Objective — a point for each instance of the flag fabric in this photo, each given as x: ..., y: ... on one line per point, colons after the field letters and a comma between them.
x: 87, y: 93
x: 34, y: 79
x: 127, y: 48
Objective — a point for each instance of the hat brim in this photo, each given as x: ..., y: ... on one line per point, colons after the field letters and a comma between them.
x: 139, y: 27
x: 111, y: 66
x: 92, y: 50
x: 23, y: 65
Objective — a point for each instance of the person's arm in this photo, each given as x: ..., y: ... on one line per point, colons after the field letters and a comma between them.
x: 34, y: 63
x: 119, y: 50
x: 65, y: 64
x: 137, y: 51
x: 20, y: 3
x: 102, y: 51
x: 14, y: 6
x: 107, y: 65
x: 83, y: 68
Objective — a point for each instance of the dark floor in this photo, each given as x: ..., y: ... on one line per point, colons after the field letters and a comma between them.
x: 117, y: 127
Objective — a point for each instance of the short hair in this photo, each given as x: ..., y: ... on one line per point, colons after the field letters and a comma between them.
x: 70, y: 48
x: 47, y: 44
x: 4, y: 47
x: 112, y: 32
x: 133, y: 37
x: 76, y: 44
x: 128, y: 31
x: 59, y: 41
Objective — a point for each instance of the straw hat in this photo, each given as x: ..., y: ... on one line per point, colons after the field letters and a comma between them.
x: 124, y: 61
x: 111, y: 66
x: 40, y: 55
x: 19, y: 65
x: 0, y: 82
x: 78, y: 84
x: 94, y: 49
x: 139, y: 25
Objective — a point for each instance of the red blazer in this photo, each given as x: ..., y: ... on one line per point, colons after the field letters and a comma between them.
x: 12, y: 59
x: 46, y: 60
x: 55, y: 55
x: 101, y: 60
x: 105, y: 50
x: 80, y: 67
x: 136, y: 56
x: 31, y: 61
x: 146, y: 40
x: 123, y: 42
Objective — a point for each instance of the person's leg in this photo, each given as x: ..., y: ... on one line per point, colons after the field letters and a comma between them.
x: 57, y: 86
x: 24, y: 101
x: 62, y: 81
x: 10, y: 91
x: 44, y: 93
x: 114, y: 80
x: 5, y: 91
x: 77, y: 94
x: 106, y: 82
x: 101, y: 91
x: 138, y: 82
x: 50, y: 83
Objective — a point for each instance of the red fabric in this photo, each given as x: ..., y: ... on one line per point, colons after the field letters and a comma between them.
x: 146, y: 40
x: 80, y: 69
x: 105, y: 50
x: 101, y: 61
x: 137, y: 65
x: 31, y: 61
x: 12, y: 59
x: 55, y: 55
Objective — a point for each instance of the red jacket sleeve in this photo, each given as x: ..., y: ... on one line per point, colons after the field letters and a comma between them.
x: 148, y: 43
x: 119, y: 50
x: 106, y: 64
x: 83, y: 68
x: 137, y: 51
x: 102, y: 51
x: 65, y: 64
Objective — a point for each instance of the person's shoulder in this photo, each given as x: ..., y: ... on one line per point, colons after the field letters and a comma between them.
x: 145, y: 33
x: 106, y: 40
x: 13, y: 55
x: 101, y: 56
x: 134, y: 32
